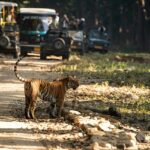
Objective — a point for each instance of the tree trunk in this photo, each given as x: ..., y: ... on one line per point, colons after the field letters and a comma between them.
x: 140, y: 37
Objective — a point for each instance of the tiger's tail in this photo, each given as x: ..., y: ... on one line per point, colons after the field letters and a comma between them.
x: 15, y: 71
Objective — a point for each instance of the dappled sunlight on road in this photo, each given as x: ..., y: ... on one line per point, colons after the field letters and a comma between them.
x: 5, y: 87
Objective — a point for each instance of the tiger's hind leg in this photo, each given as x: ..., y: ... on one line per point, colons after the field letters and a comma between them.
x: 27, y: 107
x: 32, y: 107
x: 27, y: 91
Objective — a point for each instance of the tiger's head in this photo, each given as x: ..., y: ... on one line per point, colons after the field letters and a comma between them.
x: 73, y: 82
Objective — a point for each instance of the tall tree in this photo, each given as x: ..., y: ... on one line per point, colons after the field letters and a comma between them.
x: 140, y: 36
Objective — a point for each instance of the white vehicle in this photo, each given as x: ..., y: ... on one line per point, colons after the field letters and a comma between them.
x: 33, y: 25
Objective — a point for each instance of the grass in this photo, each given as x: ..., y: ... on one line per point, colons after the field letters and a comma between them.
x: 105, y: 67
x: 119, y: 78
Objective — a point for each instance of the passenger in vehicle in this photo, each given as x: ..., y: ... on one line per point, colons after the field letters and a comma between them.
x: 81, y: 24
x: 65, y: 22
x: 101, y: 27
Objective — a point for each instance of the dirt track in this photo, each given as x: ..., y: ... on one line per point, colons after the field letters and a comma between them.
x: 18, y: 133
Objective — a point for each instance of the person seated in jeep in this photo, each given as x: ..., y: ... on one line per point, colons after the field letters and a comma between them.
x: 65, y: 22
x: 101, y: 27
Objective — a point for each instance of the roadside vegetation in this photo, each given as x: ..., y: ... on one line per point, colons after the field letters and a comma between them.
x: 119, y: 79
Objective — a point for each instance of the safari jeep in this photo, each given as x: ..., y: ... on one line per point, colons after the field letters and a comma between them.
x: 56, y: 42
x: 33, y: 26
x: 9, y: 35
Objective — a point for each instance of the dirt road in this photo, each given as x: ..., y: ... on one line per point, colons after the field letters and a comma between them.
x: 87, y: 130
x: 18, y: 133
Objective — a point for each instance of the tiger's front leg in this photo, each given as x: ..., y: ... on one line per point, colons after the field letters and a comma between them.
x: 32, y: 107
x: 59, y: 105
x: 32, y: 111
x: 53, y: 110
x: 27, y: 112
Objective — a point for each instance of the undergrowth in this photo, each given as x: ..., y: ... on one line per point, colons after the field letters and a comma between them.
x: 119, y: 78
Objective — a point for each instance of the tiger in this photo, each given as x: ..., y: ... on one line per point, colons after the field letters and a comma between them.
x: 53, y: 91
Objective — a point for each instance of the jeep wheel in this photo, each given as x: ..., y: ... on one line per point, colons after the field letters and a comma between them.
x: 104, y: 51
x: 59, y: 44
x: 82, y: 51
x: 23, y: 53
x: 16, y: 54
x: 4, y: 41
x: 42, y: 55
x: 86, y: 49
x: 65, y: 57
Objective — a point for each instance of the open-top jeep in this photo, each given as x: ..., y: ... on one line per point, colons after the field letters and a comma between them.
x: 56, y: 42
x: 33, y: 26
x: 9, y: 35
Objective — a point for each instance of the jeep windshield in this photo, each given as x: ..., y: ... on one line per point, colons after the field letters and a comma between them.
x: 94, y: 34
x: 35, y: 24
